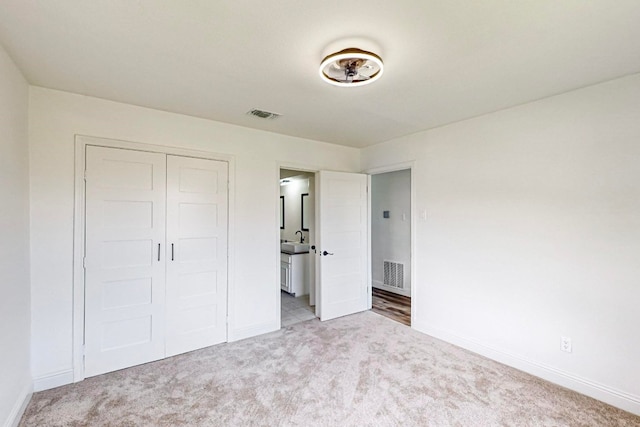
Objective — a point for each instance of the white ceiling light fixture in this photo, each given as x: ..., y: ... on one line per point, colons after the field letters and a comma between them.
x: 351, y: 67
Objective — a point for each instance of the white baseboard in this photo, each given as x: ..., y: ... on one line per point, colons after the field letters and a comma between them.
x: 253, y: 330
x: 53, y: 380
x: 612, y: 396
x: 380, y: 285
x: 19, y: 406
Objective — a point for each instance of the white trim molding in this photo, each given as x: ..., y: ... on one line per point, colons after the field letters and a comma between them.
x: 253, y: 330
x: 19, y: 406
x: 617, y: 398
x: 53, y: 380
x: 379, y: 285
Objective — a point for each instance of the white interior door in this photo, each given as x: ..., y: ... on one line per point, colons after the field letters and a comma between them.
x: 124, y: 258
x: 196, y: 253
x: 342, y: 243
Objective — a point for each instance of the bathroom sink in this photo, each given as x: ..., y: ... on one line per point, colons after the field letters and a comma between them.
x: 294, y: 248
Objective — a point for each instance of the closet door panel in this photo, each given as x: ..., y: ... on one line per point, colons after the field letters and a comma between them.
x: 124, y: 279
x: 197, y: 205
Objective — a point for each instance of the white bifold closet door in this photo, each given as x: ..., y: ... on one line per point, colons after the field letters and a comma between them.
x: 155, y: 256
x: 124, y: 258
x: 197, y: 253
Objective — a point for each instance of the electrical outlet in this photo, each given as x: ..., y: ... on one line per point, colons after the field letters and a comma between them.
x: 565, y: 344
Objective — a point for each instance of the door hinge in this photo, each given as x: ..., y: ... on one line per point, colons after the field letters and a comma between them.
x: 85, y: 175
x: 84, y: 262
x: 84, y: 350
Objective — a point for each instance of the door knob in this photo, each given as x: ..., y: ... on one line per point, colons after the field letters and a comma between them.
x: 325, y: 253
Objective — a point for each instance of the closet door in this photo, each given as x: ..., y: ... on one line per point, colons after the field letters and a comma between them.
x: 124, y: 258
x: 196, y: 253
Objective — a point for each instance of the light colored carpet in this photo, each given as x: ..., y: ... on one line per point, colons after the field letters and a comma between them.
x: 360, y: 370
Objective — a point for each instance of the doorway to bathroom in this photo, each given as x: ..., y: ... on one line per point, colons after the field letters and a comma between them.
x: 391, y: 243
x: 297, y: 235
x: 333, y: 218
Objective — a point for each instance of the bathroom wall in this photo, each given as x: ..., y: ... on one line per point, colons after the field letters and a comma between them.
x: 292, y: 192
x: 299, y: 183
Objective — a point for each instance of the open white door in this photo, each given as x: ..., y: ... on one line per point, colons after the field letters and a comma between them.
x: 342, y: 243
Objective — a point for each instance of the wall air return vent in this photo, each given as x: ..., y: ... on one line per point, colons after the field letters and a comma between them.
x: 393, y: 274
x: 263, y: 114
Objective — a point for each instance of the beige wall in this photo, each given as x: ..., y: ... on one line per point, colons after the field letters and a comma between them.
x: 15, y: 375
x: 56, y: 117
x: 532, y: 232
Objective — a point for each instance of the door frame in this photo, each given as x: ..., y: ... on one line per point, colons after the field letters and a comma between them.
x: 81, y: 143
x: 301, y: 168
x: 411, y: 165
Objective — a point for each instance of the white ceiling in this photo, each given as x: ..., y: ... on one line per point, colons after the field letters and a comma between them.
x: 445, y: 60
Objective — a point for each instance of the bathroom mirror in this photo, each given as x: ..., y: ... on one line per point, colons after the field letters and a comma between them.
x: 304, y: 210
x: 281, y: 212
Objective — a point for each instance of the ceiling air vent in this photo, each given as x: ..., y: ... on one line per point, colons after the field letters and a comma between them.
x: 263, y: 114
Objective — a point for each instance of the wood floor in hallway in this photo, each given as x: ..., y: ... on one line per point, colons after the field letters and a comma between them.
x: 393, y: 306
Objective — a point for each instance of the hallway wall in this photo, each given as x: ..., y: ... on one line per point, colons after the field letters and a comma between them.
x: 391, y: 237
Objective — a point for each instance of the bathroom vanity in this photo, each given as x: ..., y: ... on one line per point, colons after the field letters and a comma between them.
x: 293, y: 272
